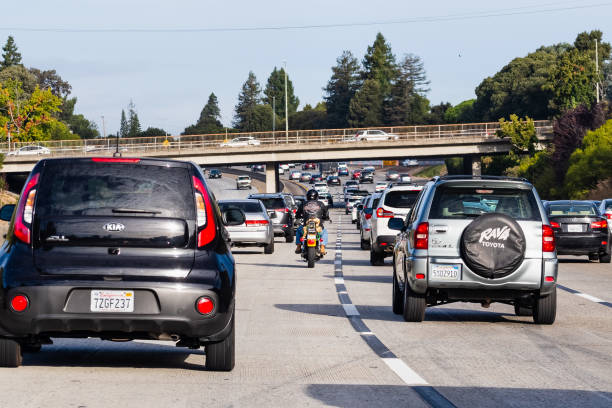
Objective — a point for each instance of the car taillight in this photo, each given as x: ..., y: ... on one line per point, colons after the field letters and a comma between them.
x: 548, y: 239
x: 19, y: 303
x: 609, y: 216
x: 205, y: 224
x: 555, y: 224
x: 368, y: 216
x: 382, y: 213
x: 421, y: 236
x: 25, y: 210
x: 256, y: 223
x: 599, y: 224
x: 205, y: 305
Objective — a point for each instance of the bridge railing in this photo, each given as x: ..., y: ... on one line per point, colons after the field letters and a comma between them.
x: 88, y: 147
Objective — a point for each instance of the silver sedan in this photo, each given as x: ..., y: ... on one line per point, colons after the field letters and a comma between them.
x: 256, y: 230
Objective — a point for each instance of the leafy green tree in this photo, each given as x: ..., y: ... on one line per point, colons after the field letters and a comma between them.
x: 438, y: 112
x: 572, y: 81
x: 123, y: 126
x: 67, y: 109
x: 81, y: 126
x: 20, y: 74
x: 522, y: 135
x: 379, y: 64
x: 152, y: 131
x: 309, y: 117
x: 133, y: 121
x: 262, y: 118
x: 210, y: 119
x: 342, y: 86
x: 461, y: 113
x: 275, y: 90
x: 56, y: 130
x: 366, y: 106
x: 10, y: 55
x: 248, y: 99
x: 406, y: 104
x: 607, y: 80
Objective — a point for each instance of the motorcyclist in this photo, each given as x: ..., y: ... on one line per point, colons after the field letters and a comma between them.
x: 312, y: 208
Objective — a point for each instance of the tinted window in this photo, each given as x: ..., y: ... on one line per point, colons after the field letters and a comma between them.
x: 273, y: 203
x: 571, y: 209
x: 470, y: 202
x: 98, y: 188
x: 401, y: 199
x: 247, y: 207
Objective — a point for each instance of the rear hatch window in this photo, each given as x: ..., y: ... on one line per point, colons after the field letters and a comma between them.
x: 401, y: 199
x: 571, y: 209
x: 470, y: 202
x: 244, y: 206
x: 273, y: 203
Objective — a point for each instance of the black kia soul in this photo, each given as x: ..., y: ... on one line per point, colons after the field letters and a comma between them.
x: 120, y: 249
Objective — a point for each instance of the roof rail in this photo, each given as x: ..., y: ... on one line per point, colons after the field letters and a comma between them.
x: 484, y: 177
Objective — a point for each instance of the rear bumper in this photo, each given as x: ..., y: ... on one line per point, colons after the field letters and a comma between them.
x: 61, y: 310
x: 256, y: 237
x: 385, y: 243
x: 581, y: 245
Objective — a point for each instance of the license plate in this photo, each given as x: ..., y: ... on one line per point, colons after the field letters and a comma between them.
x: 445, y: 272
x: 114, y: 301
x: 574, y: 228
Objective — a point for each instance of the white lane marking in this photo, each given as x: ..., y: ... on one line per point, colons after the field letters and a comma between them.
x: 337, y: 262
x: 338, y: 280
x: 366, y: 332
x: 407, y: 374
x: 350, y: 309
x: 589, y: 297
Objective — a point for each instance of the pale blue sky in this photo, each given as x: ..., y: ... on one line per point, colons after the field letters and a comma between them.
x: 169, y: 74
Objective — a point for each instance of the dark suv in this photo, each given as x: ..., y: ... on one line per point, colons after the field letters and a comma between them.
x: 120, y: 249
x: 280, y: 211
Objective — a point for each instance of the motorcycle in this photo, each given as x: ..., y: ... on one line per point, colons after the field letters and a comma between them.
x: 311, y: 251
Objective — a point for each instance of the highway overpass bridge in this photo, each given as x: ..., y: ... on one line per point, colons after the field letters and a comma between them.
x: 470, y: 141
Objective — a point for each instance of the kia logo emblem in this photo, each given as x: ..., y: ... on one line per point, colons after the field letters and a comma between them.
x: 114, y: 227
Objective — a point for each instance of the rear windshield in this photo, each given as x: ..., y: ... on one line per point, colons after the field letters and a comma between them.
x: 608, y: 205
x: 99, y: 188
x: 244, y: 178
x: 247, y: 207
x: 470, y: 202
x: 571, y: 209
x: 273, y: 203
x: 401, y: 199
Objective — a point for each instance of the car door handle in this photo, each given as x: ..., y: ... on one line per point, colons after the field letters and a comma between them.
x: 440, y: 228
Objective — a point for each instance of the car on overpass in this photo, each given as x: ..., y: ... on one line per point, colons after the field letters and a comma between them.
x: 241, y: 141
x: 30, y: 150
x: 371, y: 135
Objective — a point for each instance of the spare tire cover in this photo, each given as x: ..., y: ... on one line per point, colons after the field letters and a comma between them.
x: 493, y: 245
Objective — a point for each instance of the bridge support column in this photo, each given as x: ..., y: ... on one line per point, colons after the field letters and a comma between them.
x: 271, y: 178
x: 472, y: 164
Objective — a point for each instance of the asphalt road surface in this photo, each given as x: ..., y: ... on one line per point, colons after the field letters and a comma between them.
x: 327, y: 337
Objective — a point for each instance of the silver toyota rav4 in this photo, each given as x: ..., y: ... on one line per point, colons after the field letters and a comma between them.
x: 475, y: 239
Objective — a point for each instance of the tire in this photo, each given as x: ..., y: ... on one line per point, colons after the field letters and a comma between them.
x: 365, y: 245
x: 397, y: 298
x: 221, y: 356
x: 288, y: 237
x: 310, y: 256
x: 522, y: 310
x: 376, y: 258
x: 593, y: 257
x: 545, y: 308
x: 605, y: 258
x: 414, y: 305
x: 10, y: 353
x: 269, y: 248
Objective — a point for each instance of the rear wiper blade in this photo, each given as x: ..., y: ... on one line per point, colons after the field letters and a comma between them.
x: 135, y: 211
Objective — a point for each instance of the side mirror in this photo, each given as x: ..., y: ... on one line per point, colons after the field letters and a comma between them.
x: 233, y: 216
x: 396, y: 224
x: 6, y: 212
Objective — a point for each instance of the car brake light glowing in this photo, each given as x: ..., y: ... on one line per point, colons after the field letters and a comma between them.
x: 609, y: 216
x: 549, y: 279
x: 256, y: 223
x: 382, y: 213
x: 383, y: 244
x: 555, y: 224
x: 420, y: 276
x: 114, y: 160
x: 368, y: 216
x: 19, y: 303
x: 25, y: 210
x: 599, y: 224
x: 604, y: 243
x: 206, y: 225
x: 205, y: 305
x: 548, y: 239
x: 421, y: 236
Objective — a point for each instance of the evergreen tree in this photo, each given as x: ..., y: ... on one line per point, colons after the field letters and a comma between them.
x: 366, y: 107
x: 248, y: 100
x: 123, y: 127
x: 133, y: 122
x: 209, y: 121
x: 341, y: 88
x: 275, y: 89
x: 10, y: 56
x: 379, y: 64
x: 406, y: 104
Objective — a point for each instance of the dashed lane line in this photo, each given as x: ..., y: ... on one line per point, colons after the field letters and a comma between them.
x: 585, y: 296
x: 410, y: 377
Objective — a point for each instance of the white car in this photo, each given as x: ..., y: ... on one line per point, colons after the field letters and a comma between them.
x: 373, y: 135
x: 241, y: 141
x: 284, y: 166
x: 380, y: 186
x: 29, y: 151
x: 295, y: 175
x: 321, y: 187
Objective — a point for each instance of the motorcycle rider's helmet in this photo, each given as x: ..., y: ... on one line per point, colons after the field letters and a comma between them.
x: 312, y: 195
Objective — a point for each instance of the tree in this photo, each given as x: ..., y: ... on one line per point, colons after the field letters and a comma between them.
x: 607, y: 81
x: 379, y: 64
x: 23, y: 116
x: 461, y: 113
x: 261, y: 119
x: 406, y: 104
x: 51, y: 80
x: 309, y: 118
x: 152, y: 131
x: 123, y: 127
x: 275, y: 90
x: 366, y: 107
x: 86, y: 129
x: 437, y: 113
x: 133, y: 121
x: 20, y: 74
x: 522, y: 135
x: 10, y: 55
x: 342, y: 86
x: 248, y: 99
x: 209, y: 121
